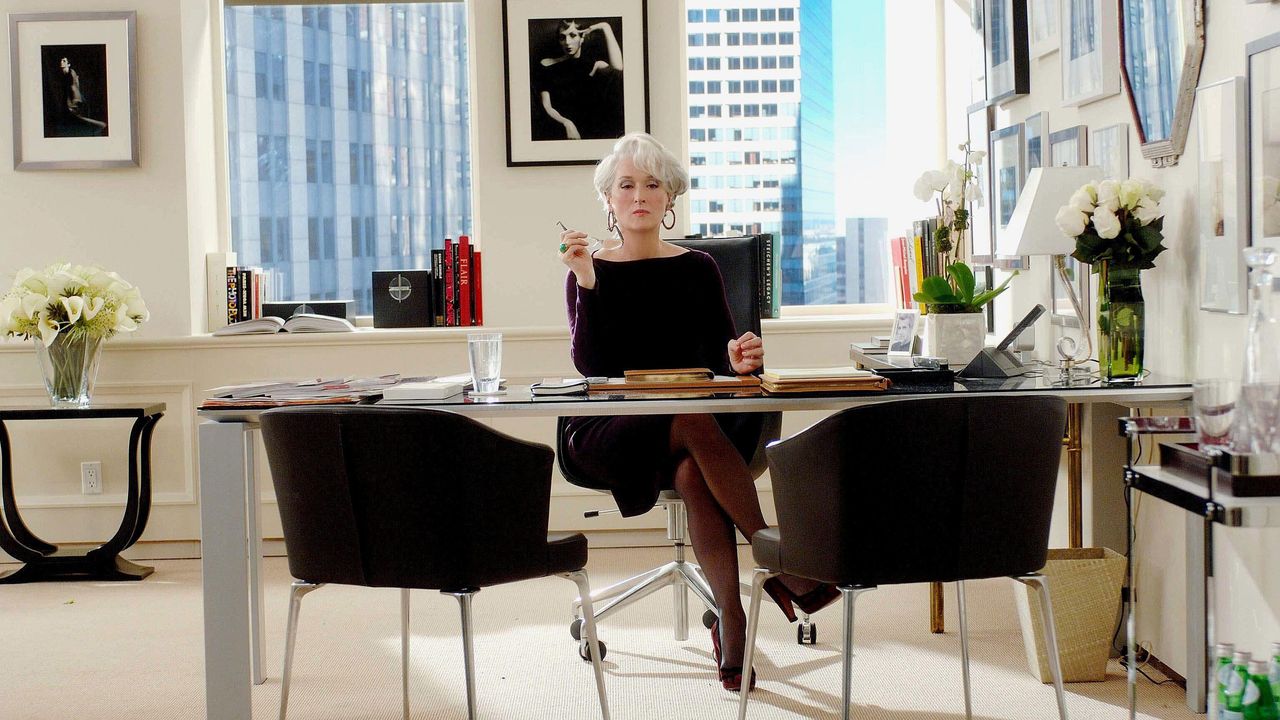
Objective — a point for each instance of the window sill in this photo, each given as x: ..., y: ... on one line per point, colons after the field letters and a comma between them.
x: 827, y: 323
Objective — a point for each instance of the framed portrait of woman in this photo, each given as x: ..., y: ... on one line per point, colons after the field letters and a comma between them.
x: 75, y: 90
x: 576, y: 78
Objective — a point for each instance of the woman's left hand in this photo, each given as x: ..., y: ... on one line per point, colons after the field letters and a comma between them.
x: 746, y: 354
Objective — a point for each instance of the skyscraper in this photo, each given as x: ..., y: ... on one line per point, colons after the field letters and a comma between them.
x: 348, y: 141
x: 761, y: 136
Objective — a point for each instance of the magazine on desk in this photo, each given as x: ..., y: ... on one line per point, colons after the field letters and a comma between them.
x: 725, y: 383
x: 307, y: 391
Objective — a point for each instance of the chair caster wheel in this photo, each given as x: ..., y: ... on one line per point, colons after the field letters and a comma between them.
x: 709, y: 618
x: 575, y: 628
x: 584, y: 651
x: 807, y: 633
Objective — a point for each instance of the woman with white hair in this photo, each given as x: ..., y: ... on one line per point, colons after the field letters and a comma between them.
x: 623, y: 316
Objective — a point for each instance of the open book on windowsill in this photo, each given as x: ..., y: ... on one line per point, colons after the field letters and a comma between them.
x: 299, y: 323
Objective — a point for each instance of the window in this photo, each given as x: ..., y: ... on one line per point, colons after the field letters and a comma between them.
x: 712, y: 63
x: 386, y: 189
x: 695, y: 16
x: 763, y: 183
x: 697, y: 63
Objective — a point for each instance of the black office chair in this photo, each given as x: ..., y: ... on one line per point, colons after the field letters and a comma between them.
x: 739, y: 262
x: 931, y: 490
x: 413, y: 498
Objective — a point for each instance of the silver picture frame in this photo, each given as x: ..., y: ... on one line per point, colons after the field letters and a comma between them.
x: 1090, y: 50
x: 1223, y: 198
x: 1263, y: 63
x: 75, y: 90
x: 1037, y: 137
x: 1069, y: 147
x: 1109, y: 150
x: 1008, y: 174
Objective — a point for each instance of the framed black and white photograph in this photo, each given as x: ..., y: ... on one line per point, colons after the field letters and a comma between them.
x: 576, y: 78
x: 1042, y: 22
x: 1069, y: 147
x: 1008, y: 62
x: 981, y: 239
x: 1109, y: 150
x: 1223, y: 195
x: 902, y: 339
x: 1263, y: 59
x: 1036, y: 130
x: 1089, y: 51
x: 1008, y: 172
x: 75, y: 90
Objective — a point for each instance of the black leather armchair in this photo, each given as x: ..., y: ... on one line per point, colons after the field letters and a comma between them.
x: 401, y: 497
x: 932, y: 490
x: 739, y: 261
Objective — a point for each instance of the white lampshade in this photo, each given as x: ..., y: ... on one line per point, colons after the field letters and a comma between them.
x: 1032, y: 226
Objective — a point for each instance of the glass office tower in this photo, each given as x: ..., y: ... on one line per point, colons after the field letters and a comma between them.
x: 348, y: 141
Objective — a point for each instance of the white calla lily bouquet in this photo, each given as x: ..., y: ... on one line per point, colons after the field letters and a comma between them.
x: 83, y: 301
x: 1119, y: 222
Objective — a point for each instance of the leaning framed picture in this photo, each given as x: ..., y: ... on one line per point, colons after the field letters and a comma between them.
x: 568, y: 95
x: 1109, y: 150
x: 1008, y: 62
x: 1224, y: 195
x: 75, y: 90
x: 1068, y: 148
x: 1090, y: 50
x: 1263, y: 61
x: 981, y: 239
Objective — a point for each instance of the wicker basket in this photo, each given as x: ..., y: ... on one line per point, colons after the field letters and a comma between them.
x: 1085, y: 586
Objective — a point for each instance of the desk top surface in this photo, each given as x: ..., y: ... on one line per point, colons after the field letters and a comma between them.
x: 92, y: 411
x: 519, y: 401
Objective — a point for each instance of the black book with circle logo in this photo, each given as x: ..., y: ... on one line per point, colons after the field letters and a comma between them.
x: 402, y: 298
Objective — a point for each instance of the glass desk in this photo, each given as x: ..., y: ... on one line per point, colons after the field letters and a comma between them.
x: 229, y: 495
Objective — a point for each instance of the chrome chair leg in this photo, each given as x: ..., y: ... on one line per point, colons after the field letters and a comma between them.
x: 296, y: 592
x: 589, y: 640
x: 699, y: 585
x: 404, y: 649
x: 1041, y: 584
x: 680, y: 606
x: 753, y: 617
x: 468, y: 647
x: 850, y: 596
x: 964, y: 648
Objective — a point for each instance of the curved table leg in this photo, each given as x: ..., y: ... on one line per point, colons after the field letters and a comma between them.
x: 15, y: 538
x: 136, y: 510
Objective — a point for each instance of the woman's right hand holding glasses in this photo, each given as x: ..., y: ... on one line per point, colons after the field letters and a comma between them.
x: 576, y: 255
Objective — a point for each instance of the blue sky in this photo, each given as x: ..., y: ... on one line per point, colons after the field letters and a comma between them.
x: 859, y: 85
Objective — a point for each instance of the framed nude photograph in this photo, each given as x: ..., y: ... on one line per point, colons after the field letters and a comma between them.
x: 75, y: 90
x: 576, y: 78
x: 1263, y: 60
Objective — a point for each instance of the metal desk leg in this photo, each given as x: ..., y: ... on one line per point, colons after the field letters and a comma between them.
x: 226, y: 461
x: 1075, y: 475
x: 1199, y: 579
x: 253, y: 505
x: 1131, y: 629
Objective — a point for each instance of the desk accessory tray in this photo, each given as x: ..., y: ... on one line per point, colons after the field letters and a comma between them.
x: 1241, y: 474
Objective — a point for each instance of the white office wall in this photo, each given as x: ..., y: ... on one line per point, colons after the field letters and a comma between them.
x: 1181, y: 340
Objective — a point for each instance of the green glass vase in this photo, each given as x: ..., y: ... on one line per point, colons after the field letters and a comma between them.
x: 1121, y: 319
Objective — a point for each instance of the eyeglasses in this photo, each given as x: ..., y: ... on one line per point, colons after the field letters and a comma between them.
x: 595, y: 244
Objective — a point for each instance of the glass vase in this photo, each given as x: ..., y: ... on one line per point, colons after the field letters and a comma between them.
x: 69, y: 366
x: 1121, y: 318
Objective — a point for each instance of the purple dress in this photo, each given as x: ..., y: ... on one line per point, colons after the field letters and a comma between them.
x: 666, y: 312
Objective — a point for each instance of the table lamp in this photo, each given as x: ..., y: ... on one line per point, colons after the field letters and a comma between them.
x: 1035, y: 232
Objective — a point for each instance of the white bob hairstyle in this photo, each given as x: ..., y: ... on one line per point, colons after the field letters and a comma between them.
x: 646, y: 154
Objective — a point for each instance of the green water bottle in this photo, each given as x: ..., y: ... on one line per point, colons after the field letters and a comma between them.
x: 1237, y: 679
x: 1275, y: 671
x: 1221, y: 676
x: 1258, y: 702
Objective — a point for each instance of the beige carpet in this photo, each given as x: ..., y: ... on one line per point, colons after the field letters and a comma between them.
x: 134, y: 650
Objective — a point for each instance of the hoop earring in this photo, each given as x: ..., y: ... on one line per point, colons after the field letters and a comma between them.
x: 613, y: 222
x: 673, y: 218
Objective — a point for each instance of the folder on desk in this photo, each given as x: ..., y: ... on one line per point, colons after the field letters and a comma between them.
x: 831, y: 379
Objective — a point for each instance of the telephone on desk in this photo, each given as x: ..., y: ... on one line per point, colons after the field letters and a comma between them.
x: 998, y: 362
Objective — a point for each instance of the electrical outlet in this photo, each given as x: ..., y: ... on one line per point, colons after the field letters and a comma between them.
x: 91, y: 478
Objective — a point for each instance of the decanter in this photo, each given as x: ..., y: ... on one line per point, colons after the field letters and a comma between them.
x: 1257, y: 427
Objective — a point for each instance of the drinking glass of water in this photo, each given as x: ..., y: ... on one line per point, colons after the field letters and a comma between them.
x: 1214, y: 406
x: 484, y: 350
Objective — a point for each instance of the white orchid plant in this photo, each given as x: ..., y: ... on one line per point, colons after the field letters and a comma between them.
x: 1119, y: 222
x: 957, y: 193
x: 79, y: 300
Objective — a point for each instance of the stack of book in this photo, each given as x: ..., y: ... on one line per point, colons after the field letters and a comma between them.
x: 246, y: 290
x: 664, y: 380
x: 814, y: 380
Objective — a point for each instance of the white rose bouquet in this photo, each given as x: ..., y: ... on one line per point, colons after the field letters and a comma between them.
x: 1119, y: 222
x: 957, y: 193
x: 82, y: 301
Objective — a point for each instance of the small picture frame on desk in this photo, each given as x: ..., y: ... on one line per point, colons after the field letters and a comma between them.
x: 903, y: 337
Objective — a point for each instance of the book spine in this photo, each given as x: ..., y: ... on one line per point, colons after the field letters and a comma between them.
x: 775, y: 275
x: 437, y: 287
x: 477, y: 289
x: 233, y: 295
x: 245, y: 286
x: 464, y: 280
x: 448, y: 282
x: 457, y: 306
x: 765, y: 249
x: 257, y: 292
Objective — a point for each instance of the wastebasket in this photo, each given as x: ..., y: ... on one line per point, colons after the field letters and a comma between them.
x: 1084, y: 585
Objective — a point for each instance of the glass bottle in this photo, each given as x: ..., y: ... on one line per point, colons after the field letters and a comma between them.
x: 1259, y: 408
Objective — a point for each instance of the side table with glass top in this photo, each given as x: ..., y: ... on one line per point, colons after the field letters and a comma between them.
x: 43, y: 560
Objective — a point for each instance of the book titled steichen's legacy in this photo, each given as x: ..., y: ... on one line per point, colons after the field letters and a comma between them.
x: 402, y: 298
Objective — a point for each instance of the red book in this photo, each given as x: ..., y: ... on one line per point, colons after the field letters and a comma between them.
x: 477, y: 290
x: 464, y: 280
x: 448, y: 282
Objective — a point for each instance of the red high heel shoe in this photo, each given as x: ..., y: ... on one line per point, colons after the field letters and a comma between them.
x: 730, y: 677
x: 817, y: 598
x: 781, y: 595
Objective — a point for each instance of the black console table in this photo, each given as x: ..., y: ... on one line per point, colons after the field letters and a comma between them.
x: 45, y: 561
